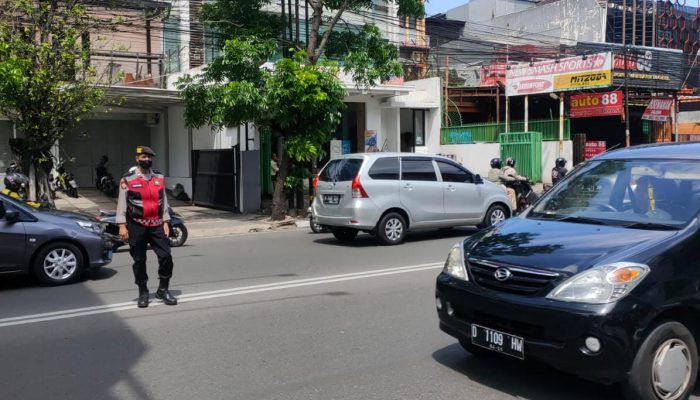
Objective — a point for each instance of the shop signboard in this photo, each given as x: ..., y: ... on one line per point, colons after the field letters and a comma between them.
x: 570, y: 73
x: 659, y: 109
x: 597, y: 104
x: 593, y: 148
x: 643, y: 67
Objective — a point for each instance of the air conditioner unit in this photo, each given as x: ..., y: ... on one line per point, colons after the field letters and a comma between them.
x: 152, y: 119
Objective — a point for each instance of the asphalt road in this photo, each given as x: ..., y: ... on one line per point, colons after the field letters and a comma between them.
x: 289, y: 315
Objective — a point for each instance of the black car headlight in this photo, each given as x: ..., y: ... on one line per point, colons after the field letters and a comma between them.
x: 601, y: 284
x: 454, y: 265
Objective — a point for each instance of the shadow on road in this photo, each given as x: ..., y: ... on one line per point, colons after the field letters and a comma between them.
x: 88, y: 357
x: 526, y: 380
x: 367, y: 240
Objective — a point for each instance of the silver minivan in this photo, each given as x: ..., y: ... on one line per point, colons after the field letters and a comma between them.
x: 389, y: 194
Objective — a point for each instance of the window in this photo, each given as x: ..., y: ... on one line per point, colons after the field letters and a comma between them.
x: 341, y: 170
x: 386, y: 168
x: 453, y: 173
x: 417, y: 169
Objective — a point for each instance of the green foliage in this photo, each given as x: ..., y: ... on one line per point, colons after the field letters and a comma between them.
x: 368, y: 57
x: 241, y: 18
x: 45, y: 83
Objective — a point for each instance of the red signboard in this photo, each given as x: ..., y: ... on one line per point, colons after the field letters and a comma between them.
x: 492, y: 75
x: 593, y: 148
x: 596, y: 104
x: 659, y: 109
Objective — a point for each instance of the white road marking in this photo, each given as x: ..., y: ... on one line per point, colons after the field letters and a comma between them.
x: 186, y: 298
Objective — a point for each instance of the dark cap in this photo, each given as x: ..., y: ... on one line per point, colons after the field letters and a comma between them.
x: 145, y: 150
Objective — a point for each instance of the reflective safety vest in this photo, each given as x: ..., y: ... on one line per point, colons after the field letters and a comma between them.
x: 144, y: 198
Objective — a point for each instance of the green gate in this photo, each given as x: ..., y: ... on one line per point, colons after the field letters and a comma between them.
x: 526, y: 149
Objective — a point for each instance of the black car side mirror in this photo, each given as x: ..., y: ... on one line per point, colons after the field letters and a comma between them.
x: 11, y: 215
x: 478, y: 180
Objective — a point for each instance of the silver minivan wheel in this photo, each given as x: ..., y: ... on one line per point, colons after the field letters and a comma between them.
x: 391, y: 229
x: 497, y: 216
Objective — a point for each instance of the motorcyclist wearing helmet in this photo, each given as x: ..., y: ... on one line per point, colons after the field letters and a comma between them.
x: 511, y: 171
x: 14, y: 183
x: 559, y: 171
x: 497, y: 176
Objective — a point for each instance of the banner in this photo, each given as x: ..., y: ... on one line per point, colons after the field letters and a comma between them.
x: 571, y: 73
x: 593, y: 148
x: 597, y: 105
x: 646, y: 67
x: 659, y: 109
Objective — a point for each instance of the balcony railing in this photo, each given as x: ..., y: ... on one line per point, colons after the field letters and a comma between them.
x: 129, y: 69
x: 415, y: 39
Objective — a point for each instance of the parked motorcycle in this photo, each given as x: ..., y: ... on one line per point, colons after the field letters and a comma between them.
x: 104, y: 180
x: 65, y: 181
x: 178, y: 231
x: 524, y: 194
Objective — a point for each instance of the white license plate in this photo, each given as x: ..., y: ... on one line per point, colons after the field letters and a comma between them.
x: 331, y: 199
x: 498, y: 341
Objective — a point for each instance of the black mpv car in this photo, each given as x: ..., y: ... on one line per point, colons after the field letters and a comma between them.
x: 599, y: 278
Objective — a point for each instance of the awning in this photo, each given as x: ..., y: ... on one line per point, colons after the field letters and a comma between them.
x: 147, y: 99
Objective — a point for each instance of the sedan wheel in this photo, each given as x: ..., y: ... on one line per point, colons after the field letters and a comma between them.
x: 58, y: 263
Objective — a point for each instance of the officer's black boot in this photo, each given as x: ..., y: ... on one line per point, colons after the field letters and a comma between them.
x: 164, y: 294
x: 143, y: 296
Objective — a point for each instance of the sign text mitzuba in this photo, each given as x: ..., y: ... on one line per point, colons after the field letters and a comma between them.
x: 572, y: 73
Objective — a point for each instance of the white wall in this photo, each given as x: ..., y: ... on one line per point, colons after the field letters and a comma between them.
x: 390, y: 127
x: 476, y: 157
x: 550, y: 152
x: 179, y: 150
x: 159, y: 144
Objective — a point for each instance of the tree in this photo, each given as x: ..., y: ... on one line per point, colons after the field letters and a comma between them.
x: 45, y: 84
x: 300, y: 99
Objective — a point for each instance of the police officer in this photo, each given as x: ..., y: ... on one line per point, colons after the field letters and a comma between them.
x: 142, y: 215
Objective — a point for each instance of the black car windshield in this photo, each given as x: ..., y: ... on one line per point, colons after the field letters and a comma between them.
x: 636, y: 194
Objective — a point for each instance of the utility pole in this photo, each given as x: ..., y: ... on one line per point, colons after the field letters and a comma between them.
x: 627, y: 97
x: 447, y: 80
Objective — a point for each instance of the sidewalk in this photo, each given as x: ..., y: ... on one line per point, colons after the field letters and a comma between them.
x: 200, y: 221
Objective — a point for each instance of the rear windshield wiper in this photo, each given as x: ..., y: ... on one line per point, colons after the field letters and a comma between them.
x: 654, y: 226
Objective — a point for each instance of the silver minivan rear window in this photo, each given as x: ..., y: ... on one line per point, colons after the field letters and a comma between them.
x: 341, y: 170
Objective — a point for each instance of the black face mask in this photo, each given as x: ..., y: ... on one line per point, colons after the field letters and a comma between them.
x: 145, y: 164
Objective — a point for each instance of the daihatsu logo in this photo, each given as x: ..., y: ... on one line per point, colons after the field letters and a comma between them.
x: 502, y: 274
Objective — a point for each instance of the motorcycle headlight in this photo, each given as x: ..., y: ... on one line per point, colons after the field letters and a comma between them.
x: 455, y: 263
x: 602, y: 284
x: 90, y: 226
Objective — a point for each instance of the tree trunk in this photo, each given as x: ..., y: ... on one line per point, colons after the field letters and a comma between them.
x: 279, y: 200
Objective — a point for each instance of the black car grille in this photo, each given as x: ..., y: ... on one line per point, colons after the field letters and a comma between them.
x: 519, y: 280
